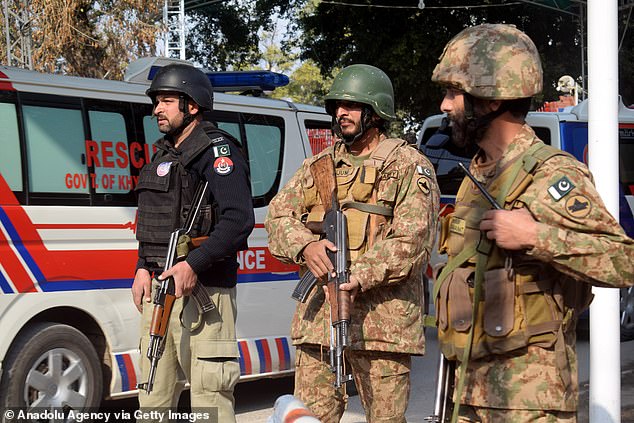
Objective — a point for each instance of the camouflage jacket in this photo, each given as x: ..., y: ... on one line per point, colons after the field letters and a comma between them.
x: 577, y: 237
x: 387, y: 312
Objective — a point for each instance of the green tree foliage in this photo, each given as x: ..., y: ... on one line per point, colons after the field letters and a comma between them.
x: 406, y: 42
x: 226, y: 34
x: 306, y: 85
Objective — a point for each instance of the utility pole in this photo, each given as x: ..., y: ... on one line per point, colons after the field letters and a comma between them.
x: 17, y: 26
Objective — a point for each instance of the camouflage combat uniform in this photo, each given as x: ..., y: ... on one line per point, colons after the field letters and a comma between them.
x: 578, y: 244
x: 386, y: 318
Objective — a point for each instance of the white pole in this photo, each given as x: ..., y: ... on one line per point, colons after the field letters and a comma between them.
x: 605, y: 356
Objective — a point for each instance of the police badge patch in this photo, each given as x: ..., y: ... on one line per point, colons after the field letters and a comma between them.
x: 223, y: 166
x: 163, y: 169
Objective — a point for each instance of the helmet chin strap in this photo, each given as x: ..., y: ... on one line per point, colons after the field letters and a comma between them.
x: 187, y: 118
x: 366, y: 123
x: 476, y: 126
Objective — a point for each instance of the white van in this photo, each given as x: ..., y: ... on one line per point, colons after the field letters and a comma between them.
x: 567, y: 130
x: 70, y: 157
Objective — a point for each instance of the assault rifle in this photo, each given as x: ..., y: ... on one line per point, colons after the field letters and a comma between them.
x: 477, y: 183
x: 335, y: 229
x: 179, y: 246
x: 443, y: 404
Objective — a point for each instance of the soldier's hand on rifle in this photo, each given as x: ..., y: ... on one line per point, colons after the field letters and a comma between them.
x: 317, y: 260
x: 511, y: 229
x: 353, y: 286
x: 141, y: 288
x: 184, y: 278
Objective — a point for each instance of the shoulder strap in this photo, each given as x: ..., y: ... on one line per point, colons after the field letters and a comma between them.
x: 383, y: 151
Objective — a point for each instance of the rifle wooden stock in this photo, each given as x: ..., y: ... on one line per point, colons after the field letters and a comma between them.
x: 161, y: 316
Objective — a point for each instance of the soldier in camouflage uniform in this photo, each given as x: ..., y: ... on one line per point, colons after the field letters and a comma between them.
x: 516, y: 279
x: 389, y: 245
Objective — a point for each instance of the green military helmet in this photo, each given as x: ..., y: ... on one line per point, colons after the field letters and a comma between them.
x: 491, y: 61
x: 363, y: 84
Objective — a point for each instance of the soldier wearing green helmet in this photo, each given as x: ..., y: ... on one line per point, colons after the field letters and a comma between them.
x: 519, y: 272
x: 389, y: 195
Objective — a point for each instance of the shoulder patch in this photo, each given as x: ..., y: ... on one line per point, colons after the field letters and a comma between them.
x: 578, y: 206
x: 222, y: 150
x: 424, y: 184
x: 561, y: 188
x: 217, y: 139
x: 223, y: 166
x: 422, y: 170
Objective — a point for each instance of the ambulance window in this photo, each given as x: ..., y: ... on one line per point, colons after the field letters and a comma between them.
x: 543, y: 134
x: 264, y: 147
x: 55, y: 147
x: 232, y: 128
x: 151, y: 131
x: 108, y: 152
x: 10, y: 162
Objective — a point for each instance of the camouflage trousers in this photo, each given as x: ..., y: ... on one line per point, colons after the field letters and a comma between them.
x: 471, y: 414
x: 381, y: 378
x: 205, y: 357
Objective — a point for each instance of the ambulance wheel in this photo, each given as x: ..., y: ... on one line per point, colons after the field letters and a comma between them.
x: 627, y: 314
x: 51, y: 365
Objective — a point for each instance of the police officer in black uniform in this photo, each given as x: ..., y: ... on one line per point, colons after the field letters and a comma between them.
x: 202, y: 349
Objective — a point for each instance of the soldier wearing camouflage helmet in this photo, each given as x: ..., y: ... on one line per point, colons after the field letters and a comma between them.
x: 389, y: 194
x: 517, y: 278
x: 199, y: 346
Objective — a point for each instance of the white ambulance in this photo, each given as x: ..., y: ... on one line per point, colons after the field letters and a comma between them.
x: 70, y: 153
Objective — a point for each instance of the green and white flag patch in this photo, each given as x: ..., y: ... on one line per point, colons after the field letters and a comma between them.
x: 222, y: 150
x: 561, y: 188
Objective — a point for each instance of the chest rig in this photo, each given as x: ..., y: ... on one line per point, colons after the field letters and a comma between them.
x: 367, y: 212
x: 166, y: 189
x: 484, y: 307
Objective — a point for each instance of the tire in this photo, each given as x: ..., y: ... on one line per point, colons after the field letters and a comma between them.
x: 627, y: 314
x: 49, y: 366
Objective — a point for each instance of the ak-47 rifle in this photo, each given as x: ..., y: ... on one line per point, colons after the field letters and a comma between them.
x: 335, y: 229
x: 179, y: 246
x: 443, y: 403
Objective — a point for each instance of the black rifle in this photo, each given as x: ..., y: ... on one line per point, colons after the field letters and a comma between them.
x: 336, y: 224
x: 179, y: 246
x: 477, y: 183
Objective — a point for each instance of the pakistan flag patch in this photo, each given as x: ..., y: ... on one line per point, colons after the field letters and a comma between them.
x: 559, y: 189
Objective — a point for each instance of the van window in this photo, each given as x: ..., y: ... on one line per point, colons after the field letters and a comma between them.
x: 55, y: 148
x: 264, y: 147
x: 10, y: 157
x: 109, y: 136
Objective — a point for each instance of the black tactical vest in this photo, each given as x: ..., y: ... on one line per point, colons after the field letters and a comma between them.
x: 166, y: 189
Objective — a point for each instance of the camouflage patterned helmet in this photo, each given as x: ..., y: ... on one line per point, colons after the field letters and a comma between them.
x: 491, y: 61
x: 363, y: 84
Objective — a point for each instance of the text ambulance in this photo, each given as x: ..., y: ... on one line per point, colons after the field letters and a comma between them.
x: 70, y: 156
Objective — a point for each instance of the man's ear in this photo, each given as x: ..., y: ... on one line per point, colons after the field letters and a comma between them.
x: 494, y: 105
x: 193, y: 107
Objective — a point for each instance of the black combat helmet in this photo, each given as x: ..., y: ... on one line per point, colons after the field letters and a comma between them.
x: 185, y: 79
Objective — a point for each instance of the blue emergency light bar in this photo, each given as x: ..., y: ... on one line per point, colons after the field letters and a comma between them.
x: 240, y: 80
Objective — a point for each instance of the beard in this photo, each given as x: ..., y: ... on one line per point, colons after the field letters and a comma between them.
x: 467, y: 133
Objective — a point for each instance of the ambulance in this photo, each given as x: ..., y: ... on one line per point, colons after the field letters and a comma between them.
x: 70, y: 157
x: 566, y: 129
